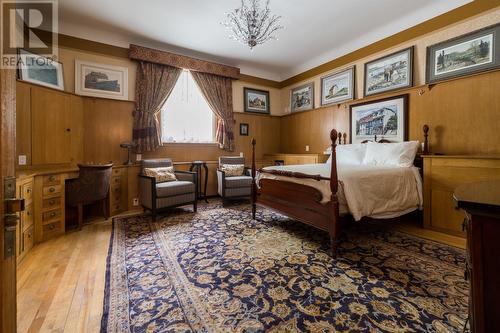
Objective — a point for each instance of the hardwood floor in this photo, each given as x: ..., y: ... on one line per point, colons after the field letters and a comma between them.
x: 61, y: 282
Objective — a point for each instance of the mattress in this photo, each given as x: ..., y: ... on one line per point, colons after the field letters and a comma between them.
x: 364, y: 190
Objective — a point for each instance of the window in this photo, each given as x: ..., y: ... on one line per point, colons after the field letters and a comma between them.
x: 186, y: 116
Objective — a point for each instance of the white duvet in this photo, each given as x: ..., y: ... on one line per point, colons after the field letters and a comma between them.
x: 365, y: 190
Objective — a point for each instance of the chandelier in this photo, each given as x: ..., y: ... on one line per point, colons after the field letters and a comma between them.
x: 252, y: 25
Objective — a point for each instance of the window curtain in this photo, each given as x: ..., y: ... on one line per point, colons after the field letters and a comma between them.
x: 218, y: 91
x: 154, y: 83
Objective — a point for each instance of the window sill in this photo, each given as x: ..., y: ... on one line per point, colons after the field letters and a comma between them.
x: 190, y: 144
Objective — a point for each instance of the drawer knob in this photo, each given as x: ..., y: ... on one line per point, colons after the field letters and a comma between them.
x: 28, y: 213
x: 53, y: 214
x: 52, y: 202
x: 28, y: 190
x: 52, y: 227
x: 52, y: 189
x: 52, y: 178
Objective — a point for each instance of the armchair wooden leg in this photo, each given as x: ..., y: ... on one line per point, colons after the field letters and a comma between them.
x: 80, y: 216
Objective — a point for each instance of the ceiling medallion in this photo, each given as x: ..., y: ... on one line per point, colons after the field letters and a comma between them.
x: 252, y: 25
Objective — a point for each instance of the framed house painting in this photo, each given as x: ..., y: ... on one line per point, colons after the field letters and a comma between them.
x: 100, y: 80
x: 243, y: 129
x: 394, y: 71
x: 475, y: 52
x: 256, y: 101
x: 385, y: 118
x: 40, y: 70
x: 302, y: 98
x: 338, y: 87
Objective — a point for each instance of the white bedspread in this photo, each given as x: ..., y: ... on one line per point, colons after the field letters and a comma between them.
x: 365, y: 190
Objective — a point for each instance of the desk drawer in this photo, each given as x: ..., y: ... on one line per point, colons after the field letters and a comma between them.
x: 118, y: 171
x: 115, y: 190
x: 53, y: 190
x: 51, y: 203
x: 28, y: 239
x: 51, y: 215
x: 116, y: 180
x: 51, y: 180
x: 27, y: 192
x: 52, y: 229
x: 27, y: 217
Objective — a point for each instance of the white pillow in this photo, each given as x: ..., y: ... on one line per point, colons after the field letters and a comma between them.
x: 391, y: 154
x: 350, y: 154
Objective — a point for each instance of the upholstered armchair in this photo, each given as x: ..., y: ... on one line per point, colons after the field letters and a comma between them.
x: 92, y: 185
x: 159, y: 195
x: 233, y: 187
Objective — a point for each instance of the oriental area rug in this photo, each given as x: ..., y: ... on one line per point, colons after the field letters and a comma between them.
x: 220, y: 271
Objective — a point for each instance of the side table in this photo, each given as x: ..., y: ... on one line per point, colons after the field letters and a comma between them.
x: 196, y: 166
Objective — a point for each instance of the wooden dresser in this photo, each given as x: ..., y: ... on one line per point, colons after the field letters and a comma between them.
x: 292, y: 159
x: 25, y: 234
x: 481, y: 203
x: 442, y: 175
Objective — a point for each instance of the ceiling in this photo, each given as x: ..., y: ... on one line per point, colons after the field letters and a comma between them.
x: 316, y: 31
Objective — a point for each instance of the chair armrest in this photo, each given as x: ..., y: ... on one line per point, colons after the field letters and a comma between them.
x: 221, y: 183
x: 189, y: 176
x: 147, y: 191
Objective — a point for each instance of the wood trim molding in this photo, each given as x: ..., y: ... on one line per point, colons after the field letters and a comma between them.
x: 137, y: 52
x: 456, y: 15
x: 260, y: 81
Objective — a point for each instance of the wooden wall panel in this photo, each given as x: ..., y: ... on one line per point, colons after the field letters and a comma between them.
x: 463, y: 115
x: 23, y: 121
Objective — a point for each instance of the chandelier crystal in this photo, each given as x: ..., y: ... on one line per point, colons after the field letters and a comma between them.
x: 252, y: 25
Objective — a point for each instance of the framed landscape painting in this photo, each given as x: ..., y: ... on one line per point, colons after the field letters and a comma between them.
x: 391, y: 72
x: 302, y: 98
x: 100, y: 80
x: 467, y: 54
x: 385, y: 118
x: 337, y: 87
x: 256, y: 101
x: 40, y: 70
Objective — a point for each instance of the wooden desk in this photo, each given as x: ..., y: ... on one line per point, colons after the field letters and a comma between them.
x: 481, y: 203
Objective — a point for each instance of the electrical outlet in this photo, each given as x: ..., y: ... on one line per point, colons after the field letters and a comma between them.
x: 241, y: 154
x: 307, y: 148
x: 135, y: 202
x: 22, y: 159
x: 138, y: 157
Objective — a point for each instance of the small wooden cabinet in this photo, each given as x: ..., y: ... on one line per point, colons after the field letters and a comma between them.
x: 118, y: 193
x: 294, y: 159
x: 481, y: 203
x: 25, y: 235
x: 442, y: 175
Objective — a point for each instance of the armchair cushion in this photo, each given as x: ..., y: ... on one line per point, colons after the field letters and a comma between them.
x: 168, y: 189
x: 232, y: 169
x: 164, y: 174
x: 238, y: 181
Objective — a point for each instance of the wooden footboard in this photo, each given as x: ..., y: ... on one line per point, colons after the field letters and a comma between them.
x: 299, y: 201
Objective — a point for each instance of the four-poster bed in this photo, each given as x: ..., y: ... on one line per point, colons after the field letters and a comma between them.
x: 296, y: 195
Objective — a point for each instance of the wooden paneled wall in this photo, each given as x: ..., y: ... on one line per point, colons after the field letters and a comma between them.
x: 463, y: 115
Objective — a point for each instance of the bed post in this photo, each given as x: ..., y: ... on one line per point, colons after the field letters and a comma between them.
x: 425, y: 150
x: 254, y: 185
x: 334, y: 202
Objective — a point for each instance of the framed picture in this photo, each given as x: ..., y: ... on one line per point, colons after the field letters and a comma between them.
x: 243, y: 129
x: 394, y: 71
x: 99, y: 80
x: 386, y: 118
x: 256, y: 101
x: 338, y: 87
x: 302, y: 98
x: 40, y: 70
x: 472, y: 53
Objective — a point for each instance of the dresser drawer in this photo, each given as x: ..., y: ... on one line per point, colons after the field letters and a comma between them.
x: 115, y: 190
x: 116, y: 180
x: 118, y: 171
x: 52, y: 190
x: 51, y: 215
x: 52, y: 229
x: 27, y: 217
x: 28, y: 239
x: 117, y: 206
x: 51, y: 203
x: 27, y: 192
x: 51, y: 180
